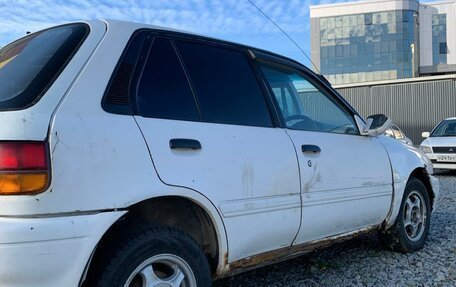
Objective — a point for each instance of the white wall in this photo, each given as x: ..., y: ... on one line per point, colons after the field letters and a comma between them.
x: 426, y: 12
x: 359, y: 7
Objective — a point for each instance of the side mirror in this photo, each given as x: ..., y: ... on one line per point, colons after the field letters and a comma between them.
x: 425, y: 134
x: 376, y: 125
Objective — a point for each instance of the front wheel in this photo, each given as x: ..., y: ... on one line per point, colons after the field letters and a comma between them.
x: 411, y: 228
x: 146, y: 255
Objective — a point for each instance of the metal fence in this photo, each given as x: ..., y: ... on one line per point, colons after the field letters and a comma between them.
x: 414, y: 106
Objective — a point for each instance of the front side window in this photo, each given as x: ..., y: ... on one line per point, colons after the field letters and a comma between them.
x: 304, y: 105
x: 29, y: 65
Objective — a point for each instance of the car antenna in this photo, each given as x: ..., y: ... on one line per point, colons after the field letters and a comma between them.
x: 286, y: 34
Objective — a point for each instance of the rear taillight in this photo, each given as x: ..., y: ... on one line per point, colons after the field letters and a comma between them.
x: 24, y: 168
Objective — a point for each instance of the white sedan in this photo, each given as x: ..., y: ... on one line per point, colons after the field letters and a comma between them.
x: 440, y: 144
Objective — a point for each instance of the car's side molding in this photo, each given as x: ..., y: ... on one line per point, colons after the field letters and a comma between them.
x: 289, y: 252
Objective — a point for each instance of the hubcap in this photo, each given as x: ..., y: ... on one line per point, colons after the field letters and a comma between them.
x: 414, y: 216
x: 163, y: 270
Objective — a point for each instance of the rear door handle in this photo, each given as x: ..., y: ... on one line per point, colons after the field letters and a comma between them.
x: 310, y: 148
x: 184, y: 144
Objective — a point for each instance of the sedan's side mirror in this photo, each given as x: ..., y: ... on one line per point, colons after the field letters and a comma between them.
x: 376, y: 125
x: 425, y: 135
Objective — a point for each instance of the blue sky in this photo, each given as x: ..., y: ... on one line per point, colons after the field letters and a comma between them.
x: 234, y: 20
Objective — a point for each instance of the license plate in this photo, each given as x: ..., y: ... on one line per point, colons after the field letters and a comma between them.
x: 446, y: 158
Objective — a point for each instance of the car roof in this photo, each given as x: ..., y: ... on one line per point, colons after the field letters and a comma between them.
x: 256, y: 51
x: 137, y: 25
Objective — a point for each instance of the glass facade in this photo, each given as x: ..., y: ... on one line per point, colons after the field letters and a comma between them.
x: 368, y: 47
x: 439, y: 39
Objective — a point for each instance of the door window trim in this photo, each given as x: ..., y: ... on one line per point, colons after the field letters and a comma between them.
x: 273, y: 114
x: 176, y: 36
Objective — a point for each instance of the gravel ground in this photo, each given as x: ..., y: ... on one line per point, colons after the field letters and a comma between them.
x: 363, y: 262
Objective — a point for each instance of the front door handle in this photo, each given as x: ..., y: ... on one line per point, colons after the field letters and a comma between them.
x: 184, y: 144
x: 310, y: 148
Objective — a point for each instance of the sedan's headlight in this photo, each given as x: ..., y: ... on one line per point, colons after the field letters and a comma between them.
x: 425, y: 149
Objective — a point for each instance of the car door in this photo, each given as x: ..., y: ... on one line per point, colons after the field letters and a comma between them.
x: 345, y: 178
x: 207, y: 124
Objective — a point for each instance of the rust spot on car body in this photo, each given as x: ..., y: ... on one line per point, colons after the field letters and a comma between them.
x: 225, y: 257
x: 285, y: 253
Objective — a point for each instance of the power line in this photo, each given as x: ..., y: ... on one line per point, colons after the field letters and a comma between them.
x: 286, y: 34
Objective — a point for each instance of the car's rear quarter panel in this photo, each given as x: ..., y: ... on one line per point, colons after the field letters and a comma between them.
x: 99, y: 161
x: 33, y: 123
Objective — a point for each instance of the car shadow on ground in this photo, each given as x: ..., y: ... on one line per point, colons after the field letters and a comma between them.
x: 444, y: 172
x: 309, y: 269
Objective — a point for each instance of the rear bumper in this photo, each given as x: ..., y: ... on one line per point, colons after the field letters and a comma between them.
x: 50, y: 251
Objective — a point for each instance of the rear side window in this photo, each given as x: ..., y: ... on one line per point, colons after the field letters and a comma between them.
x: 117, y: 97
x: 30, y: 65
x: 225, y: 86
x: 164, y: 91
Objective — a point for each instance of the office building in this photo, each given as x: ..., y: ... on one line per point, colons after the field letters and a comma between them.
x: 366, y: 41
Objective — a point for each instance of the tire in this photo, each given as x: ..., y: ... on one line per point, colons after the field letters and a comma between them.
x: 144, y: 253
x: 407, y: 234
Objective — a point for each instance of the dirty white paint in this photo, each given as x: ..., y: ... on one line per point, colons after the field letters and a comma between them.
x: 404, y: 160
x: 49, y: 251
x: 250, y: 173
x: 93, y: 165
x: 33, y: 123
x: 347, y: 187
x: 255, y: 183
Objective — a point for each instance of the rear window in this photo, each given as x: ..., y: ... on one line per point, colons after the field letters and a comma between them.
x: 30, y: 65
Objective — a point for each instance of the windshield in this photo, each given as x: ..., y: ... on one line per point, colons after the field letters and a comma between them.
x: 445, y: 129
x: 29, y: 66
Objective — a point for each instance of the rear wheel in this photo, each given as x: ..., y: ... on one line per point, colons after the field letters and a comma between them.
x: 162, y: 270
x: 411, y: 228
x: 146, y: 255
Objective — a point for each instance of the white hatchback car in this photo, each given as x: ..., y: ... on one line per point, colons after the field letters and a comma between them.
x: 132, y: 155
x: 440, y: 144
